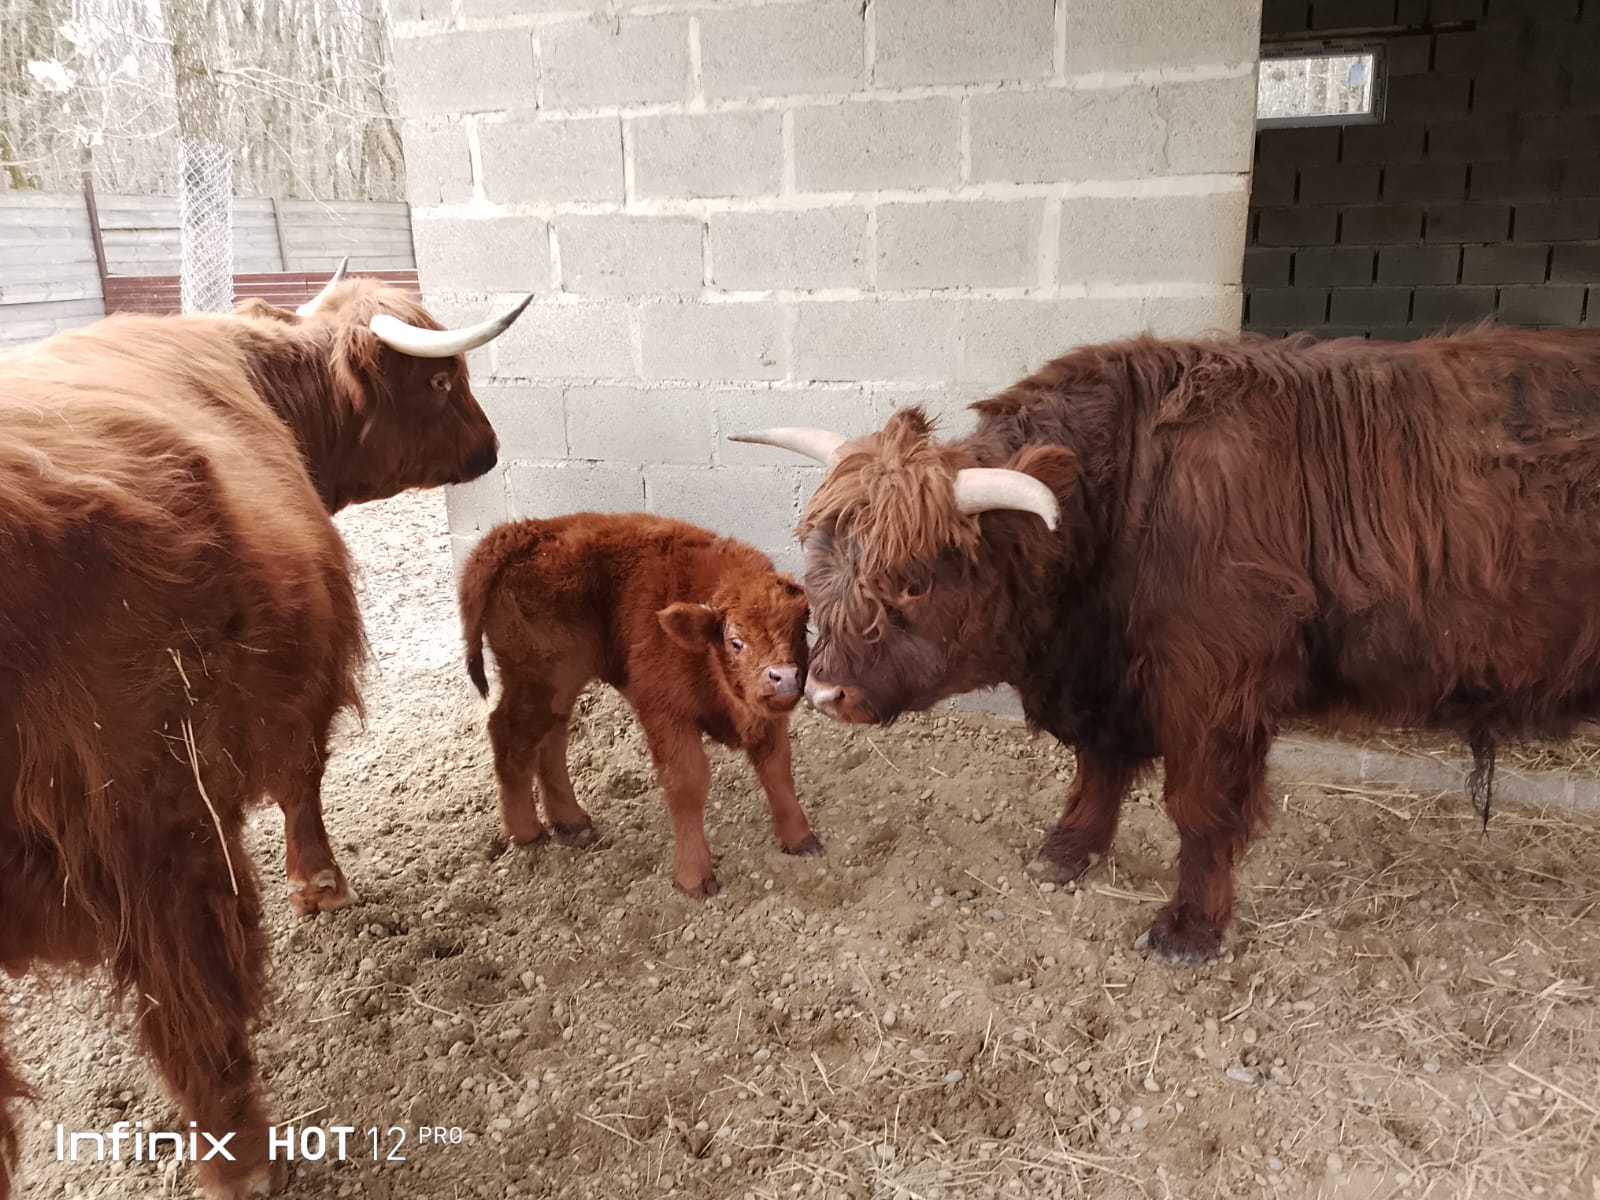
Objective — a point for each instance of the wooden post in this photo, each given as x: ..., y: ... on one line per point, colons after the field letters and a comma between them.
x: 283, y: 238
x: 94, y: 229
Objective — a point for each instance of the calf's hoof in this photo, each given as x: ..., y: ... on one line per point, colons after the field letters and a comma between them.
x: 324, y: 892
x: 575, y: 834
x: 1181, y: 939
x: 701, y: 889
x: 809, y: 846
x: 1046, y: 867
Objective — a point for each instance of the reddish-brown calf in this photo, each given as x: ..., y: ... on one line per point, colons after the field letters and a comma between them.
x: 698, y: 632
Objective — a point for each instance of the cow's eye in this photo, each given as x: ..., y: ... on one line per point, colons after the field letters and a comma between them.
x: 736, y: 643
x: 441, y: 381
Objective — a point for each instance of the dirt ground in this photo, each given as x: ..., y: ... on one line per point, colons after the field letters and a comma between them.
x: 1408, y: 1008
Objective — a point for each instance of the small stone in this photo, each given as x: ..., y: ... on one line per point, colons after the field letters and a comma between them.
x: 1240, y: 1075
x: 1114, y: 1115
x: 1335, y: 1163
x: 1150, y: 1084
x: 1249, y: 1036
x: 1431, y: 1066
x: 762, y: 1054
x: 1060, y: 1066
x: 1275, y: 1165
x: 994, y: 914
x: 747, y: 960
x: 529, y: 980
x: 889, y: 1017
x: 953, y: 1076
x: 367, y: 965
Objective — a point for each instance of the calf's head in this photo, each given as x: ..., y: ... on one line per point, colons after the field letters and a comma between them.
x: 907, y: 586
x: 755, y: 630
x: 413, y: 420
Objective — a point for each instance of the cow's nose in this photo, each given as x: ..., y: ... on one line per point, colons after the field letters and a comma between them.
x: 821, y: 695
x: 785, y: 681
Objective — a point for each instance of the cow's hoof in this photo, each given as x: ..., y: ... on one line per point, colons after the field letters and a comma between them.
x: 575, y: 834
x: 1050, y: 870
x: 702, y: 890
x: 1182, y: 941
x: 327, y: 891
x: 809, y: 846
x: 259, y: 1184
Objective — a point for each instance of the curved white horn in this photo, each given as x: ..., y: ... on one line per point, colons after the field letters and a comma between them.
x: 311, y: 305
x: 441, y: 343
x: 979, y: 489
x: 820, y: 444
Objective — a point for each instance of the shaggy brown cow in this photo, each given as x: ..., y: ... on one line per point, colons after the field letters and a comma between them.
x: 1214, y: 537
x: 178, y: 630
x: 698, y: 632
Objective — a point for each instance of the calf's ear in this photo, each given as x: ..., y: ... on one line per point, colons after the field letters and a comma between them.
x: 692, y: 626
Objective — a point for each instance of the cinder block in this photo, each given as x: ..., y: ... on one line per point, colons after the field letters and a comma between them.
x: 1569, y: 135
x: 1005, y: 340
x: 1351, y: 14
x: 1504, y: 264
x: 1395, y: 141
x: 1153, y: 239
x: 815, y: 47
x: 1410, y: 55
x: 708, y: 154
x: 1482, y: 138
x: 625, y: 255
x: 712, y: 341
x: 642, y: 425
x: 1215, y: 315
x: 1468, y: 223
x: 460, y: 549
x: 1334, y: 266
x: 438, y: 163
x: 1301, y: 144
x: 637, y: 59
x: 1437, y: 306
x: 1468, y: 51
x: 552, y: 160
x: 1340, y: 184
x: 959, y: 243
x: 1518, y: 180
x: 1272, y: 186
x: 477, y: 507
x: 1547, y: 305
x: 462, y: 72
x: 530, y: 421
x: 566, y: 341
x: 753, y: 504
x: 904, y: 340
x: 1267, y: 268
x: 1133, y: 35
x: 1526, y: 12
x: 1210, y: 124
x: 1288, y: 308
x: 1419, y: 264
x: 846, y: 410
x: 868, y: 145
x: 1580, y: 177
x: 1297, y: 226
x: 1558, y: 221
x: 1284, y: 16
x: 1368, y: 306
x: 554, y: 489
x: 1428, y: 183
x: 1037, y: 137
x: 1383, y: 225
x: 1518, y: 91
x: 1575, y: 263
x: 488, y: 254
x: 963, y: 41
x: 1429, y: 97
x: 798, y: 249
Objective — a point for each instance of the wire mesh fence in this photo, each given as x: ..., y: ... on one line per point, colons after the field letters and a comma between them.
x: 205, y: 220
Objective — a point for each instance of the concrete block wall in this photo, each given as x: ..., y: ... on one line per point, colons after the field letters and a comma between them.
x: 738, y: 213
x: 1477, y: 195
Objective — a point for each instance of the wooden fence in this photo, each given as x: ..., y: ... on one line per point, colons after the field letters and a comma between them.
x: 52, y: 276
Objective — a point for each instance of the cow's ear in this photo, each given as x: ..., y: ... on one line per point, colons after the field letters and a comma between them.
x: 692, y: 626
x: 1054, y: 466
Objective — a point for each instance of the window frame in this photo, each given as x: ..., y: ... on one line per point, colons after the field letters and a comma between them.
x: 1329, y: 48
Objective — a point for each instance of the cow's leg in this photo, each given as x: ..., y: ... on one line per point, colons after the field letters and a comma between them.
x: 518, y: 727
x: 572, y: 824
x: 196, y: 963
x: 770, y: 757
x: 1216, y: 795
x: 316, y: 883
x: 1082, y: 835
x: 684, y: 773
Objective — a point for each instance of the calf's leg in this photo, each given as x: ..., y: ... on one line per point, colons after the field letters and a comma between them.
x: 1088, y: 822
x: 774, y: 768
x: 684, y: 773
x: 1216, y: 795
x: 518, y: 727
x: 316, y: 882
x: 572, y: 824
x: 196, y: 962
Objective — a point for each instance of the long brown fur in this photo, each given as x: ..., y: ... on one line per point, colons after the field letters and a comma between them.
x: 698, y: 632
x: 1400, y: 534
x: 178, y: 629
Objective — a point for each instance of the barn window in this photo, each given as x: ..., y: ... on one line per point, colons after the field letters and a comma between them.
x: 1324, y: 86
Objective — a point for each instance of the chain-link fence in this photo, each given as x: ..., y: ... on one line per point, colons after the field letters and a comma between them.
x: 205, y: 218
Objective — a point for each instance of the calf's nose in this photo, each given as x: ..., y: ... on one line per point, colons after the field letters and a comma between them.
x: 785, y: 681
x: 821, y: 695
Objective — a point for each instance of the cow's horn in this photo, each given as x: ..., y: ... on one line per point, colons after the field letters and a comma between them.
x: 820, y: 444
x: 311, y: 305
x: 441, y: 343
x: 979, y: 489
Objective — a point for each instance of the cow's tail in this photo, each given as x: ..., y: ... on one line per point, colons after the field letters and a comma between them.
x: 479, y: 578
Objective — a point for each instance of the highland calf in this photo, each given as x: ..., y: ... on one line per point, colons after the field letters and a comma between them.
x: 178, y: 630
x: 1170, y: 548
x: 698, y: 632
